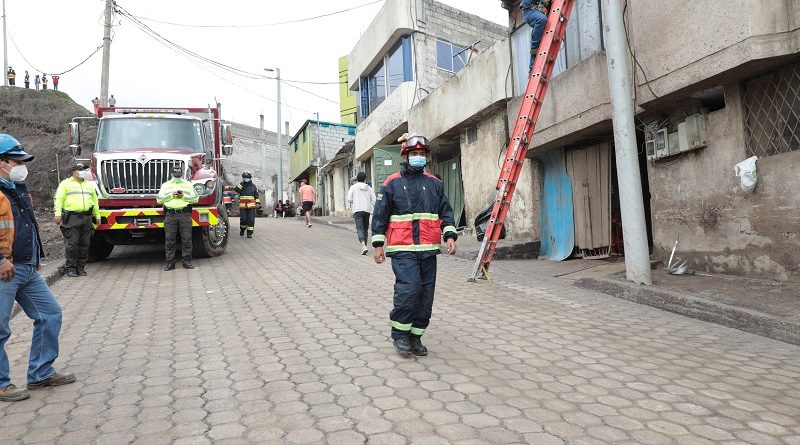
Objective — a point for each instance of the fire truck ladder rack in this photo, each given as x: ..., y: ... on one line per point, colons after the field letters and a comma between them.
x: 553, y: 37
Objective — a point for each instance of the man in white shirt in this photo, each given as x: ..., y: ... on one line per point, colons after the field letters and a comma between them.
x: 361, y: 198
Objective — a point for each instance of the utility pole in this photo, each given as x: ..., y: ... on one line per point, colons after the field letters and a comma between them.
x: 278, y: 132
x: 286, y: 132
x: 106, y: 53
x: 5, y: 45
x: 634, y: 229
x: 278, y: 136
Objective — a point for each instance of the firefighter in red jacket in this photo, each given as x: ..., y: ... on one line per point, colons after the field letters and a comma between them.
x: 411, y: 215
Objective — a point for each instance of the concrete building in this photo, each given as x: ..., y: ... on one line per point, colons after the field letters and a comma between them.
x: 714, y: 85
x: 316, y: 143
x: 409, y: 50
x: 247, y: 155
x: 339, y: 174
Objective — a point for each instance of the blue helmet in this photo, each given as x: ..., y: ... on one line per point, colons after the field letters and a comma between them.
x: 10, y: 148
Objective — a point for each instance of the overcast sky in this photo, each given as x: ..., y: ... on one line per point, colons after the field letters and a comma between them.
x: 54, y: 35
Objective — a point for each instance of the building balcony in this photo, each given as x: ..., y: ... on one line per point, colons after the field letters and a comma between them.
x: 386, y: 123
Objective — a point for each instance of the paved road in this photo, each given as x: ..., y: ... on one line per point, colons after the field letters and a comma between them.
x: 284, y: 340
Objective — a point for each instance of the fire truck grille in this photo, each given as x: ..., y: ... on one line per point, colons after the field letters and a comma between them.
x: 130, y: 177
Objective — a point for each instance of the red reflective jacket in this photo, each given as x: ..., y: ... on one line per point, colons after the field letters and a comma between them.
x: 412, y: 213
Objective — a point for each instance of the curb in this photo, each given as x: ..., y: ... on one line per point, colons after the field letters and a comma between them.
x: 522, y: 251
x: 50, y: 274
x: 331, y: 224
x: 747, y: 320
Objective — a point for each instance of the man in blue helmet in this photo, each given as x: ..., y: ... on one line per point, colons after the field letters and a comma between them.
x: 20, y: 257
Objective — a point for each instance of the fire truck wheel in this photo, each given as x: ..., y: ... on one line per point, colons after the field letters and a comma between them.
x: 211, y: 241
x: 99, y: 249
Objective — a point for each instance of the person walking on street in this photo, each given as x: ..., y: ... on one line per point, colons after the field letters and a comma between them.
x: 227, y: 198
x: 55, y: 82
x: 76, y: 209
x: 44, y: 81
x: 37, y: 81
x: 112, y: 101
x: 248, y: 201
x: 21, y: 255
x: 307, y: 198
x: 177, y: 196
x: 361, y: 198
x: 412, y: 214
x: 27, y: 80
x: 11, y: 75
x: 535, y: 14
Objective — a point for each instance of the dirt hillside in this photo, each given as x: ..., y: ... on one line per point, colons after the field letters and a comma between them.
x: 38, y: 119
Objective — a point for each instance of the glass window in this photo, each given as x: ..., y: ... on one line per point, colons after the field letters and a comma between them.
x: 450, y: 57
x: 150, y: 133
x: 377, y: 87
x: 393, y: 70
x: 444, y: 55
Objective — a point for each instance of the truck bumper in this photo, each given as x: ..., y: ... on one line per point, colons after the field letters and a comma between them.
x: 151, y: 218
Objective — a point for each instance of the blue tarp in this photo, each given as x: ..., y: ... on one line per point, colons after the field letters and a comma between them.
x: 557, y: 222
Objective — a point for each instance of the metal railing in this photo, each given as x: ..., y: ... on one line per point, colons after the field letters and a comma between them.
x: 772, y: 112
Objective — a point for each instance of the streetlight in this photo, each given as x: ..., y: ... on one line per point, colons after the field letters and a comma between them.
x: 278, y: 136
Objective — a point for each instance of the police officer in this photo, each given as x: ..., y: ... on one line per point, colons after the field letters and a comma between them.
x: 248, y: 201
x: 75, y: 209
x: 411, y: 216
x: 177, y: 196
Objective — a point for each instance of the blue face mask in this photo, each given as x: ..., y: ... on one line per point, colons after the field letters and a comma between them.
x: 417, y: 161
x: 245, y: 179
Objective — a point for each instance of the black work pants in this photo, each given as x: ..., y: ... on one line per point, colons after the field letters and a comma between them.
x: 415, y: 283
x: 175, y: 223
x: 362, y: 225
x: 247, y: 220
x: 77, y: 230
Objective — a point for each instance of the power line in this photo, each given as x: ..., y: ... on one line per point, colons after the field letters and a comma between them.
x: 10, y: 37
x: 313, y: 94
x: 264, y: 25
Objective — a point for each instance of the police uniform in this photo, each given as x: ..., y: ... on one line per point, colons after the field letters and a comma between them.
x: 76, y: 203
x: 248, y: 201
x: 177, y: 218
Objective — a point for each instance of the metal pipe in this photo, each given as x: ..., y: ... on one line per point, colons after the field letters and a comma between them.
x: 106, y: 53
x: 634, y: 228
x: 5, y: 45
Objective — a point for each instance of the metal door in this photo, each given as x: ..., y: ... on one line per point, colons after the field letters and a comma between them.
x: 589, y: 169
x: 386, y: 162
x: 450, y: 171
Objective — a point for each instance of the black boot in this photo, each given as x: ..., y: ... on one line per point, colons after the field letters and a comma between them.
x: 241, y: 232
x: 187, y: 264
x: 82, y: 272
x: 417, y: 348
x: 249, y: 233
x: 170, y: 265
x: 402, y: 346
x: 72, y: 272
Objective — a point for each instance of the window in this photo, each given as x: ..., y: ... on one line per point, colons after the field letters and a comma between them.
x: 392, y: 70
x: 351, y: 131
x: 772, y: 112
x: 303, y: 136
x: 150, y: 133
x: 294, y: 144
x: 451, y: 57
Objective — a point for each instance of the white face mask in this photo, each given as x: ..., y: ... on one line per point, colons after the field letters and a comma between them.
x: 83, y: 174
x: 18, y: 173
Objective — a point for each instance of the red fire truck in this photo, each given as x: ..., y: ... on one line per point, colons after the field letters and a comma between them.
x: 135, y: 150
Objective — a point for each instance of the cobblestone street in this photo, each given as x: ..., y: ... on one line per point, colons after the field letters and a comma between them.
x: 284, y: 339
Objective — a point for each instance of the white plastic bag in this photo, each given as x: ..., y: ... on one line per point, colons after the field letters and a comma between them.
x: 746, y: 171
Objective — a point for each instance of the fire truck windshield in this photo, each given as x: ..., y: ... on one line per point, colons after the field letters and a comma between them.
x: 150, y: 133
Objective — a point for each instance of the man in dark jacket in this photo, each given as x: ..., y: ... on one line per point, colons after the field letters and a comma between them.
x: 248, y: 201
x: 411, y: 215
x: 21, y: 255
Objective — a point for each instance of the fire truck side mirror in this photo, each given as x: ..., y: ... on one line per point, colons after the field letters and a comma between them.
x: 74, y: 138
x: 227, y: 139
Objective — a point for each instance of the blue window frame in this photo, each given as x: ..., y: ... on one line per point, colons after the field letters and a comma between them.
x: 392, y: 70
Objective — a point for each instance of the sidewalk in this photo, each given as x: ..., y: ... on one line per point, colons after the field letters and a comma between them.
x: 767, y: 308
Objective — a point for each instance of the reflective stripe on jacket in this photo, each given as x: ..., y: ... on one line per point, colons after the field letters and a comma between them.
x: 412, y: 213
x: 248, y: 195
x: 76, y: 196
x: 166, y: 199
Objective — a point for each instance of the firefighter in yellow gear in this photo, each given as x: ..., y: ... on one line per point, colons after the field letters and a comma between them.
x: 76, y: 208
x: 177, y: 196
x: 248, y: 202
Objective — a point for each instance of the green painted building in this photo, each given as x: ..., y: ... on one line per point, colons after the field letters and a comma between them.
x: 316, y: 143
x: 348, y: 102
